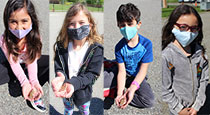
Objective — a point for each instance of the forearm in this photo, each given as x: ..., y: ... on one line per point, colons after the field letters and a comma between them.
x: 121, y: 78
x: 140, y: 75
x: 33, y: 72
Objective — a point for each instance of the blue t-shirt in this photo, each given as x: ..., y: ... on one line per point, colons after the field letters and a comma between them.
x: 133, y: 57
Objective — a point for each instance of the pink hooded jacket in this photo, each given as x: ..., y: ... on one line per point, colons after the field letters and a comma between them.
x: 17, y: 69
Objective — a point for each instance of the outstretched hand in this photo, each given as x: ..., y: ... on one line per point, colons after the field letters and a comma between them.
x: 38, y: 91
x: 57, y: 83
x: 26, y: 89
x: 128, y: 95
x: 61, y: 89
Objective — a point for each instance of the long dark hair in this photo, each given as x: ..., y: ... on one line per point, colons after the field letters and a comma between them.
x: 33, y: 42
x: 167, y: 35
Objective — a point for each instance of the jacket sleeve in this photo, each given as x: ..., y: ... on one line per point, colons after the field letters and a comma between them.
x: 93, y: 70
x: 33, y: 72
x: 15, y: 66
x: 168, y: 94
x: 58, y: 64
x: 201, y: 96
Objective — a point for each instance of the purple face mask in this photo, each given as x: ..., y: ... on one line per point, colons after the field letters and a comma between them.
x: 21, y: 33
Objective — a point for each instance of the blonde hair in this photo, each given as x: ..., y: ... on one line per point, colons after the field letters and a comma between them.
x: 93, y: 36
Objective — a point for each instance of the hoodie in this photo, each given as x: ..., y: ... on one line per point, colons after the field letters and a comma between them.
x: 87, y: 74
x: 184, y: 79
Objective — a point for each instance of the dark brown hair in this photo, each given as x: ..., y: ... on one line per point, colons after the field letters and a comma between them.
x: 167, y: 35
x: 33, y: 42
x: 128, y: 12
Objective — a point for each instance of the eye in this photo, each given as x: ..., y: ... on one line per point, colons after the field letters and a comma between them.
x: 130, y: 24
x: 183, y: 27
x: 195, y: 28
x: 24, y: 20
x: 71, y: 24
x: 81, y: 23
x: 121, y: 25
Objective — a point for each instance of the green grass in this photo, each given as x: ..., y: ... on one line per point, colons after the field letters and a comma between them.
x: 64, y: 7
x: 172, y: 1
x: 167, y: 11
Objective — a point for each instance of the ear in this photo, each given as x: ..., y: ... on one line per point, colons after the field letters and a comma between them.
x: 139, y: 24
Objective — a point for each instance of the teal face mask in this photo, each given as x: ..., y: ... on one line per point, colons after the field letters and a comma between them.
x: 129, y: 32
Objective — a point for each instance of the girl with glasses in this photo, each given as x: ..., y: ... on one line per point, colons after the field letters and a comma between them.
x: 184, y: 62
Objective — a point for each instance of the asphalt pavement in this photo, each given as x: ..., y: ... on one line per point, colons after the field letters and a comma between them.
x: 151, y: 29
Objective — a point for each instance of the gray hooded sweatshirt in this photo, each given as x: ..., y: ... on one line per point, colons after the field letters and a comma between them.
x: 184, y: 79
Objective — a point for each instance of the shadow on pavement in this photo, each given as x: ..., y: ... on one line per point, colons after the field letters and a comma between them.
x: 53, y: 111
x: 205, y: 110
x: 96, y: 106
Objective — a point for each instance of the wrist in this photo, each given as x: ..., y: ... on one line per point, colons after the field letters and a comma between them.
x: 135, y: 85
x: 119, y: 93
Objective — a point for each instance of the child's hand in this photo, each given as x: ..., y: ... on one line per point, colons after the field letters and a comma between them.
x: 193, y: 111
x: 38, y: 91
x: 184, y: 111
x: 26, y: 89
x: 57, y: 84
x: 129, y: 97
x: 69, y: 90
x: 117, y: 100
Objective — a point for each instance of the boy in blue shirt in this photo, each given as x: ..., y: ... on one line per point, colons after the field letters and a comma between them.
x: 133, y: 54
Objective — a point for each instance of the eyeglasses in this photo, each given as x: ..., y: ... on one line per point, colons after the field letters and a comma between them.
x: 185, y: 27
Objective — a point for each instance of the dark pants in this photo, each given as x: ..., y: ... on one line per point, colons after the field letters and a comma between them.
x: 143, y: 97
x: 7, y: 75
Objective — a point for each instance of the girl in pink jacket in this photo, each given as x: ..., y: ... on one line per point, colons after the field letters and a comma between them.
x: 20, y: 51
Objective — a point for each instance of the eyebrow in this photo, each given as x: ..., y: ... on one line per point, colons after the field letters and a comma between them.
x: 16, y: 20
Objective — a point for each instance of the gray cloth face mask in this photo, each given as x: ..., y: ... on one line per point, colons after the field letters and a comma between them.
x: 78, y: 33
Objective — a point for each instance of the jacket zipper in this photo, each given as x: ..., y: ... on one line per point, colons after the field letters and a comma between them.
x: 86, y: 58
x: 60, y: 59
x: 192, y: 80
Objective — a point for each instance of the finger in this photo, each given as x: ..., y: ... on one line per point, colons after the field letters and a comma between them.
x: 60, y: 94
x: 41, y: 91
x: 60, y: 74
x: 68, y: 95
x: 117, y: 101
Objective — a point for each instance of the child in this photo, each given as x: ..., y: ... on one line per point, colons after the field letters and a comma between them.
x: 184, y: 63
x: 133, y: 54
x: 78, y: 59
x: 20, y: 48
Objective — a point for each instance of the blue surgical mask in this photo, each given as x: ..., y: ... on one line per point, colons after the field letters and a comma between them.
x: 128, y: 32
x: 184, y: 37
